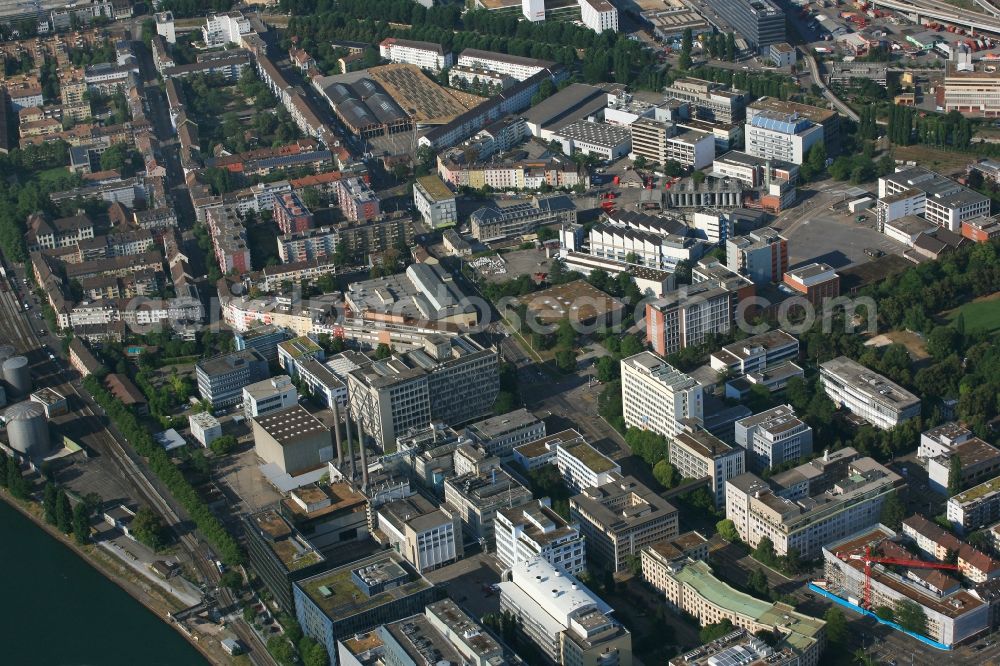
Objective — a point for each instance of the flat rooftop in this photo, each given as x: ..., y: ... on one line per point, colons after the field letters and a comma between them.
x: 292, y: 425
x: 874, y: 385
x: 578, y: 299
x: 339, y: 597
x: 495, y: 426
x: 593, y: 459
x: 435, y: 187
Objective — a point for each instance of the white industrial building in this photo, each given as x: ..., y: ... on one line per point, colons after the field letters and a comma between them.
x: 535, y: 530
x: 919, y: 191
x: 609, y: 142
x: 435, y: 202
x: 269, y: 395
x: 205, y: 428
x: 599, y: 15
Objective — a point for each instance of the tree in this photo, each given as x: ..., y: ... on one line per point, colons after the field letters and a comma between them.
x: 282, y: 651
x: 885, y: 613
x: 223, y: 445
x: 231, y: 579
x: 764, y: 552
x: 943, y: 341
x: 565, y: 360
x: 64, y: 512
x: 608, y: 369
x: 698, y: 177
x: 665, y: 473
x: 50, y: 496
x: 893, y: 511
x: 954, y: 476
x: 148, y: 528
x: 727, y: 530
x: 383, y: 351
x: 711, y: 632
x: 911, y: 616
x: 757, y: 584
x: 81, y: 523
x: 836, y: 626
x: 312, y: 652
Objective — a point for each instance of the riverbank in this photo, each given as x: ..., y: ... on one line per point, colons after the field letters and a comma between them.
x: 152, y: 598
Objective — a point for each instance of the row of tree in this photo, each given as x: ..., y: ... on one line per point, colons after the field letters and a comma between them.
x: 159, y: 462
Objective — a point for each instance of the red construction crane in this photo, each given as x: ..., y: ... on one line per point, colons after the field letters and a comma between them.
x: 868, y: 560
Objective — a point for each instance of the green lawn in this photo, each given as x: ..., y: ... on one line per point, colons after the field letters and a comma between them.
x: 980, y: 315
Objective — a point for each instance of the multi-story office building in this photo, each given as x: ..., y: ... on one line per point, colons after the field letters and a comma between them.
x: 773, y: 437
x: 329, y: 514
x: 356, y: 199
x: 498, y: 435
x: 493, y: 223
x: 309, y: 245
x: 815, y: 282
x: 760, y: 22
x: 291, y: 214
x: 810, y: 505
x: 712, y: 101
x: 953, y: 614
x: 426, y: 55
x: 452, y: 380
x: 265, y: 339
x: 658, y: 397
x: 568, y: 623
x: 867, y: 394
x: 787, y: 137
x: 221, y: 378
x: 323, y: 383
x: 428, y: 536
x: 658, y: 559
x: 269, y: 395
x: 477, y: 498
x: 649, y: 139
x: 975, y: 507
x: 435, y: 202
x: 517, y: 67
x: 942, y: 440
x: 978, y: 461
x: 279, y: 554
x: 828, y: 119
x: 919, y: 191
x: 621, y: 518
x: 294, y: 351
x: 761, y: 255
x: 535, y: 530
x: 580, y: 464
x: 972, y: 91
x: 443, y: 632
x: 359, y: 596
x: 755, y: 353
x: 599, y: 15
x: 692, y: 588
x: 684, y: 317
x: 696, y: 454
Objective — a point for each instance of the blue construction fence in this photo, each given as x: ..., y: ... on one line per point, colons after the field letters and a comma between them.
x: 858, y: 609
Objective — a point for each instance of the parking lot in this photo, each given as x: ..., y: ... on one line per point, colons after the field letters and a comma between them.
x: 836, y: 239
x: 468, y: 583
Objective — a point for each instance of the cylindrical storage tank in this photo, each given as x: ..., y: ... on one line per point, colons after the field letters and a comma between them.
x: 27, y: 428
x: 6, y: 352
x: 17, y: 374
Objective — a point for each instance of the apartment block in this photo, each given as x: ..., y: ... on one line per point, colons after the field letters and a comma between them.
x: 696, y: 454
x: 356, y: 199
x: 318, y: 244
x: 658, y: 397
x: 867, y: 394
x: 566, y: 621
x: 774, y: 437
x: 221, y: 378
x: 686, y: 316
x: 810, y: 505
x: 535, y: 530
x: 229, y: 240
x: 621, y: 518
x: 517, y: 67
x: 761, y: 255
x: 426, y: 55
x: 291, y: 214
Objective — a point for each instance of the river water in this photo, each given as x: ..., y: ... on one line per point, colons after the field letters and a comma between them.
x: 59, y: 611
